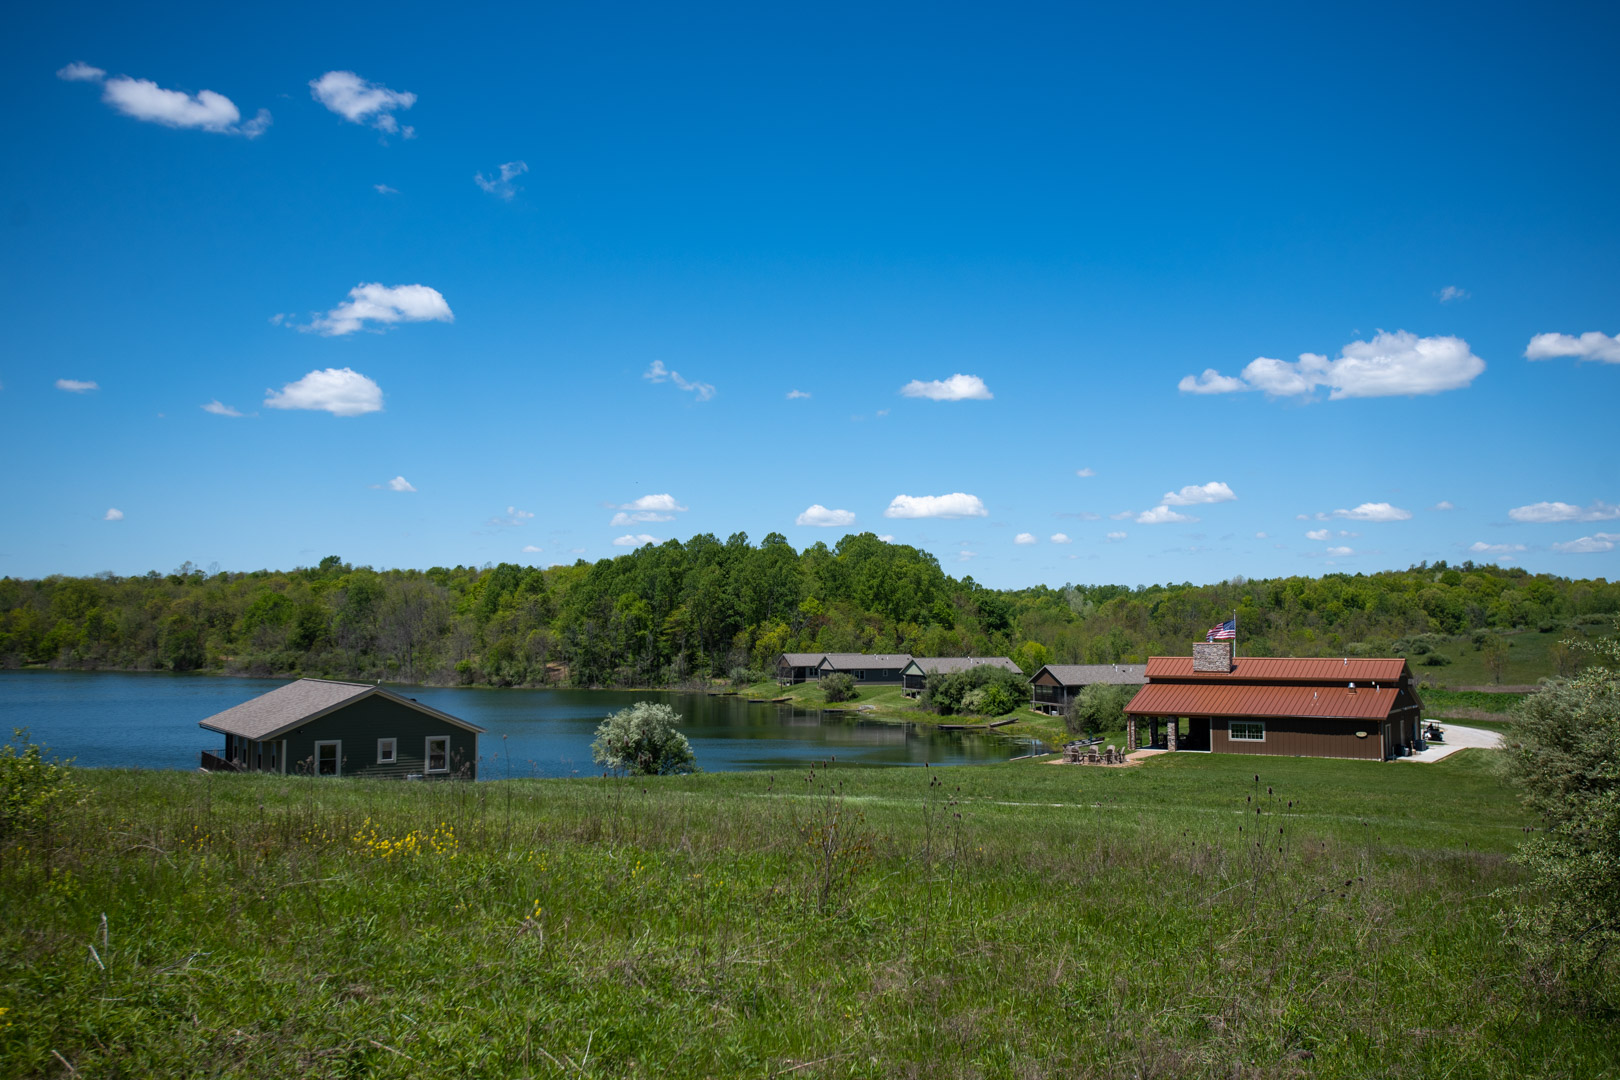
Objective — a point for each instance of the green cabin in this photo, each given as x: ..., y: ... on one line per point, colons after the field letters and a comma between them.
x: 320, y: 727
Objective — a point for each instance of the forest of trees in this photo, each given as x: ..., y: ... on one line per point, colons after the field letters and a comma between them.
x: 669, y: 614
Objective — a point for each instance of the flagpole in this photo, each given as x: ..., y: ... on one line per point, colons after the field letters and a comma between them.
x: 1234, y: 635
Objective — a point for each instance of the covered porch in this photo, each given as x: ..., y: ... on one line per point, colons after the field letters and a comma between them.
x: 1165, y: 731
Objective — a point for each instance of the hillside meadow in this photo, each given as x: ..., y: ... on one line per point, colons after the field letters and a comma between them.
x: 1195, y: 916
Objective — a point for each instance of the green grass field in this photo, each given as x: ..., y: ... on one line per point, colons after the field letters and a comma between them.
x: 1181, y: 918
x: 1531, y: 657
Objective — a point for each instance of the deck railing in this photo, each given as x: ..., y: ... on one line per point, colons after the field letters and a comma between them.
x: 213, y: 762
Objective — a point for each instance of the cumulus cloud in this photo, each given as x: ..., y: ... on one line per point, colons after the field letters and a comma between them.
x: 80, y: 72
x: 1261, y: 536
x: 530, y: 549
x: 339, y: 391
x: 1162, y: 515
x: 1319, y: 534
x: 954, y: 505
x: 113, y: 514
x: 797, y: 395
x: 823, y: 518
x: 1453, y: 292
x: 1588, y: 545
x: 1087, y: 471
x: 887, y: 538
x: 635, y: 541
x: 384, y: 189
x: 1340, y: 552
x: 1589, y: 346
x: 513, y: 518
x: 648, y: 508
x: 144, y: 99
x: 1389, y: 365
x: 1025, y: 538
x: 1370, y: 511
x: 1061, y: 538
x: 219, y: 408
x: 956, y: 388
x: 382, y: 306
x: 362, y: 102
x: 657, y: 372
x: 501, y: 185
x: 77, y: 386
x: 399, y: 483
x: 1480, y: 547
x: 1116, y: 536
x: 1443, y: 504
x: 1544, y: 512
x: 1196, y: 494
x: 664, y: 501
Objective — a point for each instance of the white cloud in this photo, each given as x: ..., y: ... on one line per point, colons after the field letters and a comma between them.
x: 501, y: 186
x: 219, y: 408
x: 964, y: 555
x: 382, y: 304
x: 1319, y: 534
x: 1061, y: 538
x: 823, y: 518
x: 1545, y: 512
x: 113, y: 514
x: 954, y: 505
x: 1025, y: 538
x: 635, y: 541
x: 887, y: 538
x: 1389, y: 365
x: 80, y: 72
x: 956, y: 388
x: 796, y: 395
x: 1443, y: 504
x: 1480, y: 547
x: 657, y: 372
x: 513, y: 518
x: 1195, y: 494
x: 205, y: 110
x: 1116, y: 536
x: 640, y: 517
x: 1087, y: 471
x: 1261, y: 536
x: 361, y: 102
x: 530, y: 549
x: 1162, y: 515
x: 339, y: 391
x: 1211, y: 382
x: 1588, y: 545
x: 1340, y: 552
x: 399, y: 483
x: 1371, y: 511
x: 1589, y: 346
x: 77, y: 386
x: 384, y: 189
x: 1453, y: 292
x: 646, y: 509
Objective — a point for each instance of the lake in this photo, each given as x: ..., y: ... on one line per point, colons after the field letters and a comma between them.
x: 149, y: 721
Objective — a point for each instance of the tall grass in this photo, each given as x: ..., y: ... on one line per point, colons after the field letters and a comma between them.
x: 1198, y: 916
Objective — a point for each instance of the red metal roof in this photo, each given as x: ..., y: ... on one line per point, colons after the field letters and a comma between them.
x: 1283, y: 669
x: 1194, y: 699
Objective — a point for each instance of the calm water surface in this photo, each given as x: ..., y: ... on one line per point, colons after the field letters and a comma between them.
x: 149, y: 721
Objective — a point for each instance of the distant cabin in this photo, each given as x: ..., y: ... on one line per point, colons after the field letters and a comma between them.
x: 878, y: 668
x: 1335, y: 708
x: 1053, y: 688
x: 320, y: 727
x: 914, y: 676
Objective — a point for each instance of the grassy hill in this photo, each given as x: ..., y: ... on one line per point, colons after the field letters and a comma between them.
x: 1201, y: 915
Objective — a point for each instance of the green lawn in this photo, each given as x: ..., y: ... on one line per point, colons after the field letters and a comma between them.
x: 1181, y: 918
x: 1530, y: 659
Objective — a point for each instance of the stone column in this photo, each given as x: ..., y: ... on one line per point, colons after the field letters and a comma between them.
x: 1173, y: 733
x: 1130, y: 732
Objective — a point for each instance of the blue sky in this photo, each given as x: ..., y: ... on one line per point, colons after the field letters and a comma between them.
x: 1028, y: 287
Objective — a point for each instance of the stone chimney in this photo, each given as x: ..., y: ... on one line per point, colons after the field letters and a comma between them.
x: 1212, y: 656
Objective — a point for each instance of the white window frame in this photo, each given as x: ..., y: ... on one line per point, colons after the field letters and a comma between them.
x: 337, y: 758
x: 1231, y: 730
x: 427, y: 754
x: 392, y: 746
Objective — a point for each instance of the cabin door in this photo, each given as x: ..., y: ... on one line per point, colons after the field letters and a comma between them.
x: 328, y: 758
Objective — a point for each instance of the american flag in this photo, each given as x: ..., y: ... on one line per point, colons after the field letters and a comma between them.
x: 1227, y: 629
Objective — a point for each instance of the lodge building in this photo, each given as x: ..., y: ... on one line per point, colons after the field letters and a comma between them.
x: 1334, y: 707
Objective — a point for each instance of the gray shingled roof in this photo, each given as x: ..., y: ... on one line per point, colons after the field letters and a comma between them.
x: 945, y: 665
x: 803, y: 659
x: 299, y: 702
x: 844, y: 661
x: 1086, y: 674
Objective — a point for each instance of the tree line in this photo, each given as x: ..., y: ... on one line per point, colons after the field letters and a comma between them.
x: 677, y: 612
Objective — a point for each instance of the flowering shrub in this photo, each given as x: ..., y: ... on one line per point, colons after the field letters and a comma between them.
x: 441, y: 841
x: 31, y: 787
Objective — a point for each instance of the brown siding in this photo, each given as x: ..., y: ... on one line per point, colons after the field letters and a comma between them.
x: 1046, y: 678
x: 1303, y: 737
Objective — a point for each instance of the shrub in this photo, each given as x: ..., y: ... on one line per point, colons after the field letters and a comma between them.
x: 32, y: 788
x: 1436, y: 659
x: 642, y: 741
x: 947, y: 694
x: 742, y: 676
x: 839, y: 686
x: 993, y: 699
x: 1098, y: 707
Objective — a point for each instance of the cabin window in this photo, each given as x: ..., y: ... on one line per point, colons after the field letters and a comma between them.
x: 1250, y: 730
x: 386, y: 750
x: 329, y: 758
x: 438, y: 753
